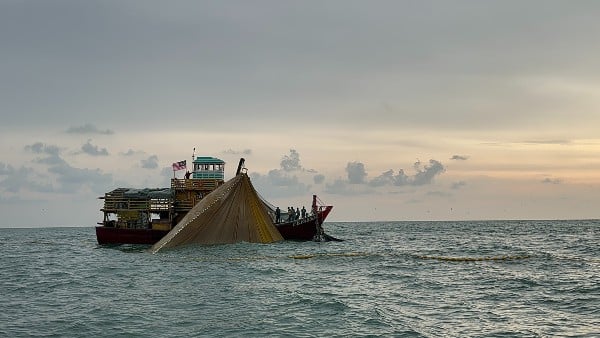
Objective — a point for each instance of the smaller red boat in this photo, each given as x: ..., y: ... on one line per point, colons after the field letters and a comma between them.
x: 305, y: 228
x: 144, y: 216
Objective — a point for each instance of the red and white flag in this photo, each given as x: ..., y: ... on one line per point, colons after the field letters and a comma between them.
x: 179, y: 165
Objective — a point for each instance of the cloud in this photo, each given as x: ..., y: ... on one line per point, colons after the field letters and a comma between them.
x: 68, y: 178
x: 401, y: 178
x: 41, y: 148
x: 6, y: 169
x: 280, y: 182
x: 551, y: 181
x: 425, y: 174
x: 51, y: 151
x: 280, y: 178
x: 73, y: 179
x: 356, y: 172
x: 132, y: 152
x: 357, y: 176
x: 93, y: 150
x: 459, y: 157
x: 150, y: 163
x: 24, y: 179
x: 458, y: 185
x: 291, y: 162
x: 88, y: 129
x: 237, y: 152
x: 386, y: 178
x: 318, y: 179
x: 338, y: 187
x: 343, y: 187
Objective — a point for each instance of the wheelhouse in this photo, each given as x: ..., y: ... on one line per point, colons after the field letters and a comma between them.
x: 206, y: 167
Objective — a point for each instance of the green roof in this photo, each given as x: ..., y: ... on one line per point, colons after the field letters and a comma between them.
x: 208, y: 160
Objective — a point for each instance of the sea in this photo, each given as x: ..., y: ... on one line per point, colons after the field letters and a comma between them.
x: 385, y: 279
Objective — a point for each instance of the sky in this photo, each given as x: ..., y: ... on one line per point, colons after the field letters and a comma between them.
x: 388, y: 110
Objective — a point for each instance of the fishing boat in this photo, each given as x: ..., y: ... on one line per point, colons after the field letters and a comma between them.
x: 144, y: 216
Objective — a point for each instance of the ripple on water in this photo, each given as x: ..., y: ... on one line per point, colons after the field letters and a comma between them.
x: 376, y: 283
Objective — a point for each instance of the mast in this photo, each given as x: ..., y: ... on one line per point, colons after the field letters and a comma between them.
x: 240, y: 166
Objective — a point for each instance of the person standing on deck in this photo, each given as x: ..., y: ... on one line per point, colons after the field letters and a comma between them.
x: 277, y: 215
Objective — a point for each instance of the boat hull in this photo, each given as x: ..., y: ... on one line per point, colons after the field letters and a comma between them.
x: 303, y: 229
x: 300, y: 230
x: 110, y: 235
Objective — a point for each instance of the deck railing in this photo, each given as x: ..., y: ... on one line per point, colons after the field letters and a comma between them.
x: 194, y: 184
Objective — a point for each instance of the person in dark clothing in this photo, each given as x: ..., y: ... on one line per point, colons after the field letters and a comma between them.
x: 277, y: 215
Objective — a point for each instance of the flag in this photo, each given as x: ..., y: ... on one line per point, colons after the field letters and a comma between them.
x: 179, y: 165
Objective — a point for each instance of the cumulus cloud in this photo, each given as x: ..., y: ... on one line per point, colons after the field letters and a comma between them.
x: 23, y: 179
x: 41, y: 148
x: 356, y: 172
x: 386, y: 178
x: 93, y: 150
x: 51, y: 152
x: 88, y: 129
x: 281, y: 177
x: 73, y: 179
x: 283, y: 182
x: 401, y: 178
x: 291, y: 162
x: 459, y: 157
x: 150, y: 163
x: 69, y: 179
x: 424, y: 175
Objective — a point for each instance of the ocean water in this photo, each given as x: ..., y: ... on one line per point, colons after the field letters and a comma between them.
x: 391, y: 279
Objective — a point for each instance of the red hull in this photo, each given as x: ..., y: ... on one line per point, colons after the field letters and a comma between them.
x: 301, y: 230
x: 108, y: 235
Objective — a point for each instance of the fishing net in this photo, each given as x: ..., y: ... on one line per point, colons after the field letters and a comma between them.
x: 231, y: 213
